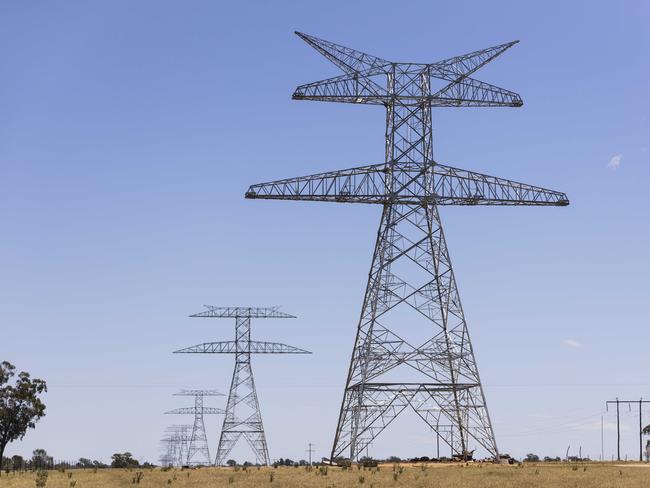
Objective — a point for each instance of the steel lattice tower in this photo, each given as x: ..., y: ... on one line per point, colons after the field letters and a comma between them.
x: 243, y: 417
x: 411, y: 279
x: 198, y: 439
x: 176, y: 445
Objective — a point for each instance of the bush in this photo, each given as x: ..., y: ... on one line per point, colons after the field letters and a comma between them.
x: 368, y: 462
x: 124, y: 460
x: 41, y: 478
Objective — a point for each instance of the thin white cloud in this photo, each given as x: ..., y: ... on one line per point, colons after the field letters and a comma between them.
x: 615, y: 162
x: 594, y: 425
x: 572, y: 343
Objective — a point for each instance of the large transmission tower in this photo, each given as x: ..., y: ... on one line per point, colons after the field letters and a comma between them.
x: 243, y: 417
x: 198, y: 444
x: 411, y: 285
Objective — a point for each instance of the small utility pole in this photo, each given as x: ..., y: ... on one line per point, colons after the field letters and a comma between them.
x: 602, y: 439
x: 310, y: 450
x: 641, y: 429
x: 640, y: 401
x: 618, y: 426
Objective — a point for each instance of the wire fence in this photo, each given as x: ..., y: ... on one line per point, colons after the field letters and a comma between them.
x: 17, y: 464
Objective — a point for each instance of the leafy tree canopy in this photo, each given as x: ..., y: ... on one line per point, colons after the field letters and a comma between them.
x: 20, y: 404
x: 123, y: 460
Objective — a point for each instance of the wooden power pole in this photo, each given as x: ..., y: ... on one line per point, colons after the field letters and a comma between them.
x: 618, y: 402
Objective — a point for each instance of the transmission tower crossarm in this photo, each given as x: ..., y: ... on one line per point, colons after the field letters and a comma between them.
x: 444, y: 186
x: 455, y: 186
x: 198, y: 393
x: 365, y: 184
x: 466, y: 64
x: 194, y: 411
x: 253, y: 347
x: 243, y: 312
x: 347, y: 59
x: 468, y: 92
x: 348, y: 88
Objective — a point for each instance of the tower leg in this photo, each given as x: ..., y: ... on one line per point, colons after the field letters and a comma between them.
x: 438, y: 377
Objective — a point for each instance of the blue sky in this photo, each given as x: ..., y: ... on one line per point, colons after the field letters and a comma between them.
x: 130, y: 131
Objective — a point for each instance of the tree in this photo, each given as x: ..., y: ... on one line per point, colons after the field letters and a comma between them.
x: 231, y: 462
x: 20, y: 405
x: 17, y: 462
x: 123, y: 460
x: 532, y: 458
x: 40, y: 459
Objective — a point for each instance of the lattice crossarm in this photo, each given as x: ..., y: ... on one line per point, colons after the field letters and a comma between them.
x: 263, y: 347
x: 468, y: 92
x: 221, y: 347
x: 454, y: 186
x: 199, y: 393
x: 466, y: 64
x: 347, y: 59
x: 346, y: 89
x: 213, y: 411
x: 365, y: 184
x: 243, y: 312
x: 194, y: 411
x: 229, y: 347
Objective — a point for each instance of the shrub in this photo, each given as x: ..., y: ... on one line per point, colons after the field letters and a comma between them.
x: 41, y: 478
x: 137, y: 478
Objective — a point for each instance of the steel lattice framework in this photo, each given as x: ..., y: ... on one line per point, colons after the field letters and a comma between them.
x: 175, y: 445
x: 198, y: 443
x: 243, y: 417
x: 411, y: 278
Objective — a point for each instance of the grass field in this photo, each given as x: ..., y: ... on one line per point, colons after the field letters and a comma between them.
x: 595, y: 475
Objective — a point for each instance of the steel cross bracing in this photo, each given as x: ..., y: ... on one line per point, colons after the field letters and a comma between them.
x: 242, y: 416
x: 198, y: 443
x: 411, y: 279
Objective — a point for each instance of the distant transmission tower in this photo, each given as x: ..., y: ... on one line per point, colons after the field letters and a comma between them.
x: 411, y: 286
x: 243, y: 417
x: 175, y: 445
x: 198, y: 439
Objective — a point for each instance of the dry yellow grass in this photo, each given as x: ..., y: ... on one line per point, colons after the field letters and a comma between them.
x: 443, y: 476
